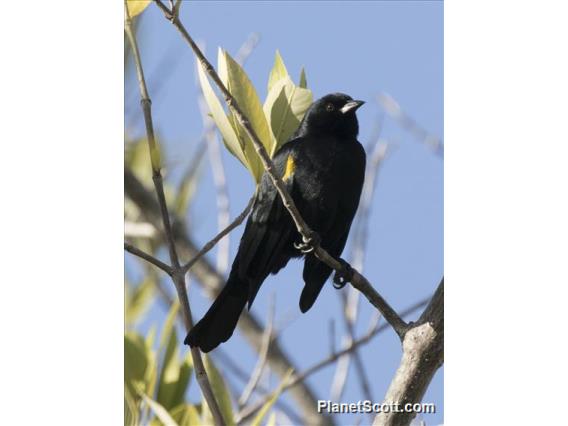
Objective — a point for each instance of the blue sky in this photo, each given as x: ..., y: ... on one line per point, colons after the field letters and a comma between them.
x: 360, y: 48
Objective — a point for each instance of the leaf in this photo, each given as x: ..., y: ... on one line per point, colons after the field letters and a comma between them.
x: 303, y: 82
x: 245, y: 94
x: 174, y: 376
x: 136, y: 7
x: 268, y: 405
x: 220, y: 391
x: 136, y: 158
x: 186, y: 415
x: 271, y: 420
x: 138, y: 300
x: 131, y: 413
x: 278, y: 71
x: 139, y: 363
x: 159, y: 411
x: 284, y: 108
x: 221, y: 120
x: 187, y: 190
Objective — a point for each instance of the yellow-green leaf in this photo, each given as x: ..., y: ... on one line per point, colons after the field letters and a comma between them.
x: 218, y: 114
x: 271, y: 420
x: 139, y: 363
x: 284, y: 108
x: 136, y: 158
x: 174, y: 375
x: 159, y: 411
x: 220, y: 391
x: 136, y: 7
x: 131, y: 412
x: 303, y: 81
x: 186, y: 415
x: 268, y: 405
x: 186, y: 191
x: 278, y: 71
x: 138, y: 300
x: 245, y: 94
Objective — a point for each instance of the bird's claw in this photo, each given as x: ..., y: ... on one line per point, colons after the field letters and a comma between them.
x: 342, y: 277
x: 308, y: 245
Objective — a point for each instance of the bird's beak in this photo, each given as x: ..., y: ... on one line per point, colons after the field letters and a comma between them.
x: 351, y: 106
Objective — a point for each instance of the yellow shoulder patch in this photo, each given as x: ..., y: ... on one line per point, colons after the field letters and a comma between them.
x: 290, y: 167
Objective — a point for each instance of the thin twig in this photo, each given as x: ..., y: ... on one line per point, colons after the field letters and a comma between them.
x: 148, y: 258
x: 210, y: 244
x: 408, y: 123
x: 247, y: 48
x: 177, y: 276
x: 259, y: 367
x: 222, y: 196
x: 357, y: 280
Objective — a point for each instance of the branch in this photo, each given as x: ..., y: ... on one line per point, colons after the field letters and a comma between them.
x: 358, y: 281
x: 247, y: 413
x: 148, y: 258
x: 259, y: 367
x: 177, y: 277
x: 213, y: 282
x: 410, y: 124
x: 210, y: 244
x: 222, y: 196
x: 423, y: 354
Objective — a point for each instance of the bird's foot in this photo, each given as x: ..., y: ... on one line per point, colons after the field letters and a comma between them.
x: 308, y: 245
x: 343, y: 276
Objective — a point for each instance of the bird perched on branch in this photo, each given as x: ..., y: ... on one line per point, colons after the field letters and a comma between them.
x: 323, y: 168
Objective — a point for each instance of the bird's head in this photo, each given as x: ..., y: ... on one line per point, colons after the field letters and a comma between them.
x: 334, y: 114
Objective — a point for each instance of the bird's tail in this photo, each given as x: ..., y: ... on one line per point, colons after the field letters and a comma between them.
x: 219, y: 322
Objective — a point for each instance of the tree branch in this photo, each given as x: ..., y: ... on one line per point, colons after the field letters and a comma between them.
x: 177, y: 275
x: 148, y: 258
x: 358, y: 281
x: 210, y: 244
x: 423, y: 354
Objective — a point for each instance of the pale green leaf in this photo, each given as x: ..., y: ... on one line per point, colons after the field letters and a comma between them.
x: 268, y: 405
x: 218, y: 114
x: 169, y: 325
x: 303, y: 81
x: 136, y: 7
x: 245, y: 94
x: 131, y: 412
x: 278, y: 71
x: 271, y: 419
x: 186, y: 415
x: 136, y: 158
x: 138, y: 300
x: 151, y: 336
x: 159, y: 411
x: 187, y: 190
x: 139, y: 363
x: 220, y: 390
x: 174, y: 375
x: 284, y: 108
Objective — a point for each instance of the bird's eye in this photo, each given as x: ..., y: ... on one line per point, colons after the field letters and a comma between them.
x: 329, y: 107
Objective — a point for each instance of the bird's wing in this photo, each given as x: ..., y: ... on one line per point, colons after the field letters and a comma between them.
x: 264, y: 247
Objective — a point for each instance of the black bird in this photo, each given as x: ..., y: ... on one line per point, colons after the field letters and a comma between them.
x: 323, y: 168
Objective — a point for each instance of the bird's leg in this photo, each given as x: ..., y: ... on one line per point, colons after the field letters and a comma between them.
x: 343, y: 276
x: 307, y: 245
